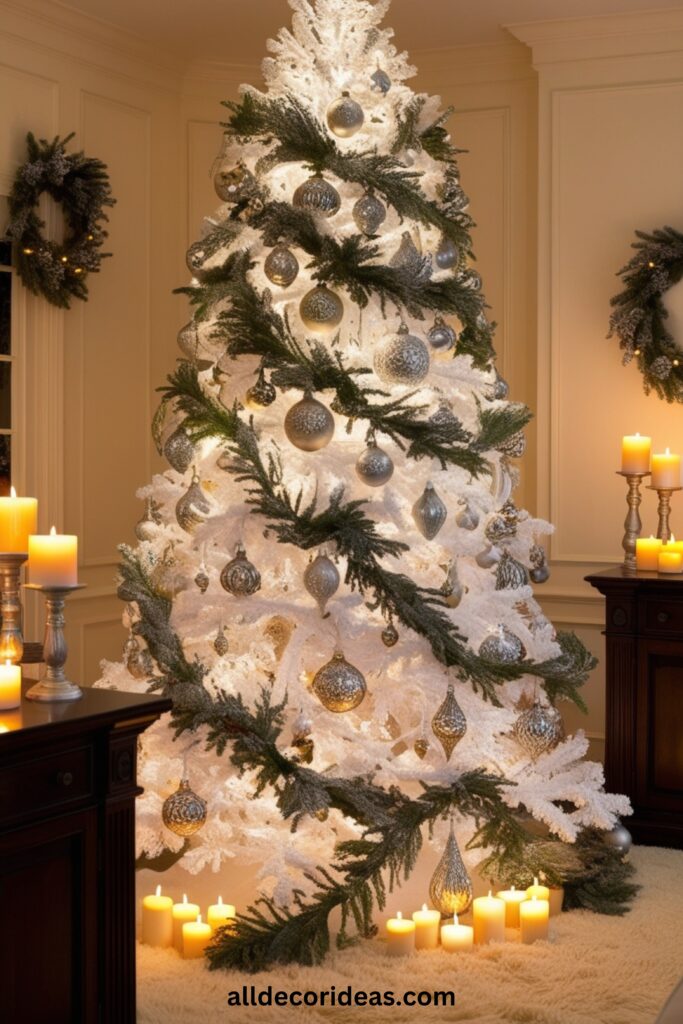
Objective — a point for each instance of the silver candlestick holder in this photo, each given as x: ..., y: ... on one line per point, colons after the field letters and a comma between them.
x: 663, y: 510
x: 632, y: 523
x: 54, y: 686
x: 11, y: 638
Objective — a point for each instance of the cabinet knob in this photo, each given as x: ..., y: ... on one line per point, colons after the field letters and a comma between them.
x: 663, y: 616
x: 65, y: 778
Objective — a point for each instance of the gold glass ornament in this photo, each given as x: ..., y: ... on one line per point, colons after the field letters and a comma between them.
x: 344, y: 116
x: 184, y: 812
x: 449, y: 724
x: 338, y: 685
x: 390, y: 635
x: 321, y: 579
x: 309, y: 424
x: 450, y: 889
x: 279, y: 631
x: 281, y: 266
x: 321, y: 310
x: 240, y: 577
x: 191, y: 509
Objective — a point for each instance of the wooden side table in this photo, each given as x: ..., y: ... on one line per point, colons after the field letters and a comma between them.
x: 644, y: 705
x: 67, y: 875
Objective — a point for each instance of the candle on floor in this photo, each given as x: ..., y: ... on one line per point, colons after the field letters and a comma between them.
x: 538, y: 892
x: 635, y: 454
x: 220, y: 914
x: 53, y: 559
x: 556, y: 901
x: 196, y: 937
x: 666, y: 471
x: 18, y: 519
x: 400, y: 936
x: 668, y: 560
x: 647, y: 552
x: 456, y: 937
x: 157, y: 920
x: 533, y: 920
x: 512, y: 898
x: 182, y: 912
x: 10, y: 686
x: 427, y: 923
x: 489, y: 919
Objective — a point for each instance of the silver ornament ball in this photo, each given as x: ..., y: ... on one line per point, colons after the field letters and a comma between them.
x: 321, y: 579
x: 146, y: 528
x: 538, y: 729
x: 619, y: 838
x: 447, y: 255
x: 281, y: 266
x: 309, y: 425
x: 402, y: 359
x: 232, y: 184
x: 369, y: 213
x: 184, y: 812
x: 502, y: 647
x: 338, y: 685
x: 374, y: 467
x: 318, y: 196
x: 321, y: 310
x: 345, y: 116
x: 239, y: 576
x: 429, y: 512
x: 441, y: 336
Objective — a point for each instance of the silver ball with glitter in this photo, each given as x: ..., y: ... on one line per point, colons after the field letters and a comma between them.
x: 429, y: 512
x: 184, y: 812
x: 538, y: 729
x: 179, y: 450
x: 402, y: 359
x: 309, y: 424
x: 345, y: 116
x: 321, y: 579
x: 373, y: 466
x: 369, y: 213
x: 338, y: 685
x: 281, y: 266
x: 502, y: 647
x: 239, y: 576
x: 321, y: 310
x: 408, y: 258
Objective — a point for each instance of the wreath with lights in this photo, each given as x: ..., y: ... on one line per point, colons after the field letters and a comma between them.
x: 639, y: 317
x: 80, y: 185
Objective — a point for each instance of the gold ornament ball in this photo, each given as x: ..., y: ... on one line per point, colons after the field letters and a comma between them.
x: 321, y: 310
x: 183, y: 812
x: 338, y: 685
x: 309, y: 424
x: 281, y: 266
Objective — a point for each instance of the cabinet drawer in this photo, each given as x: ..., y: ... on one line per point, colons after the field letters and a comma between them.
x: 44, y: 783
x: 662, y: 616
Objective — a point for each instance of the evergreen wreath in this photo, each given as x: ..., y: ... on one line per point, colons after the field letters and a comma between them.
x: 639, y: 317
x: 80, y: 185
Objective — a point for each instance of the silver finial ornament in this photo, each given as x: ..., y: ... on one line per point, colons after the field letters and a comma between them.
x: 539, y: 729
x: 449, y: 724
x: 429, y: 512
x: 321, y: 579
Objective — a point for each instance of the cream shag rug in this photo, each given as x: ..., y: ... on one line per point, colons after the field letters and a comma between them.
x: 595, y: 970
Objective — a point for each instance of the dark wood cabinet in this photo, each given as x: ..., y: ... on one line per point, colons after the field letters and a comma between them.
x: 644, y: 700
x: 67, y: 882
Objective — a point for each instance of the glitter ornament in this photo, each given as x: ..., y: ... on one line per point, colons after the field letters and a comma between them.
x: 261, y: 394
x: 661, y: 367
x: 421, y: 747
x: 502, y: 647
x: 318, y: 196
x: 146, y: 528
x: 441, y: 336
x: 321, y: 580
x: 408, y: 258
x: 240, y: 577
x: 514, y: 446
x: 402, y: 359
x: 499, y: 527
x: 321, y: 310
x: 279, y: 631
x: 338, y: 685
x: 443, y: 415
x: 220, y: 644
x: 511, y: 574
x: 281, y: 266
x: 619, y: 838
x: 390, y: 635
x: 450, y: 889
x: 309, y: 424
x: 467, y: 518
x: 449, y: 724
x: 369, y: 213
x: 345, y: 117
x: 380, y: 81
x: 191, y: 509
x: 184, y: 812
x: 166, y: 578
x: 538, y: 729
x: 447, y: 255
x: 373, y: 466
x: 429, y: 512
x: 179, y: 450
x: 202, y: 580
x: 137, y: 659
x: 233, y: 184
x: 487, y: 558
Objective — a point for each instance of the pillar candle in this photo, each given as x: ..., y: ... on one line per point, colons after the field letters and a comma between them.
x: 18, y: 519
x: 538, y: 892
x: 489, y: 919
x: 533, y: 920
x: 220, y: 914
x: 182, y: 912
x: 647, y: 551
x: 635, y: 454
x: 669, y: 560
x: 673, y: 544
x: 10, y: 686
x: 512, y: 898
x: 456, y: 937
x: 400, y: 936
x: 666, y: 471
x: 427, y: 924
x: 53, y: 559
x: 157, y: 919
x: 196, y: 937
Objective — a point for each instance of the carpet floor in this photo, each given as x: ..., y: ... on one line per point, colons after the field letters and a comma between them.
x: 594, y: 970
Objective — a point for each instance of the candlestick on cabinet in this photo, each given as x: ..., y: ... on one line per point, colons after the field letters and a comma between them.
x: 663, y: 510
x: 632, y: 523
x: 54, y: 686
x: 635, y: 454
x: 11, y: 639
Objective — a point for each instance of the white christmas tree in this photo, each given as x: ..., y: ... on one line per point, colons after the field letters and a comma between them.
x: 333, y: 581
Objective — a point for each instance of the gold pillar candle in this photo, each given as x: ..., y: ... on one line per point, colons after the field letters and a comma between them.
x: 427, y: 923
x: 220, y: 914
x: 533, y: 920
x: 669, y: 561
x: 666, y: 471
x: 196, y: 937
x: 635, y: 454
x: 455, y: 938
x: 647, y: 551
x: 157, y: 920
x: 489, y: 919
x: 182, y: 913
x: 400, y: 936
x: 10, y: 686
x: 512, y: 898
x: 53, y: 559
x: 538, y: 892
x: 18, y: 519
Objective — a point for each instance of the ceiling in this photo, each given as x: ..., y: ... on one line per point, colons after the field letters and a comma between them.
x: 235, y: 31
